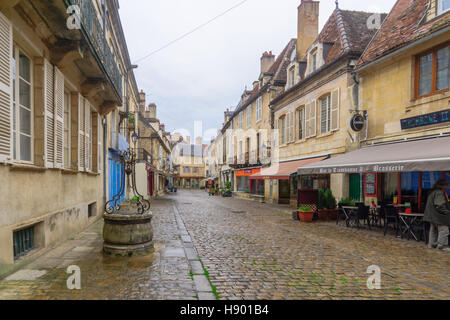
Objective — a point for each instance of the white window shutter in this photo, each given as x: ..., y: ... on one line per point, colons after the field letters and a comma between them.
x: 313, y: 118
x: 99, y: 144
x: 6, y: 69
x: 293, y: 126
x: 81, y: 142
x: 59, y: 118
x: 307, y: 120
x: 335, y: 110
x: 87, y: 135
x: 49, y: 132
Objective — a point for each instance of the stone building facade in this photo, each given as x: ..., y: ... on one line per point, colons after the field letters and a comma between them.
x: 59, y: 84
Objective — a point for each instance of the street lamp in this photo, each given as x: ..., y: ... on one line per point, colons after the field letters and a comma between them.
x: 134, y: 137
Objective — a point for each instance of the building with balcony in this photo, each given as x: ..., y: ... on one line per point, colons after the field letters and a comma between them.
x: 189, y: 162
x: 63, y: 66
x: 247, y: 133
x: 154, y: 170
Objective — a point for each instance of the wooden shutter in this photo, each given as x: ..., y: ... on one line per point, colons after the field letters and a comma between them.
x: 313, y: 118
x: 335, y: 110
x: 293, y: 126
x: 49, y: 97
x: 310, y: 119
x: 81, y: 139
x: 99, y: 143
x: 87, y: 135
x: 6, y: 69
x: 59, y: 118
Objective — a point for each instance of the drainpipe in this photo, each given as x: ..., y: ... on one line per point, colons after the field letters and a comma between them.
x: 105, y: 130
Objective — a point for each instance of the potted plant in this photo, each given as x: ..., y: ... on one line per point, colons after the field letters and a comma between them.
x: 348, y: 202
x: 322, y: 209
x: 306, y: 214
x: 331, y: 204
x: 227, y: 192
x: 131, y: 121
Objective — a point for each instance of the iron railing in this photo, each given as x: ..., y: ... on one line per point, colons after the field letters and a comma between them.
x: 93, y: 32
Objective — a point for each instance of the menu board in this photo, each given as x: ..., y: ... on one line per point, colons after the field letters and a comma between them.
x: 370, y: 184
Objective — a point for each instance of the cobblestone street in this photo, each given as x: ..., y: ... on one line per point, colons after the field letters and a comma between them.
x: 214, y: 247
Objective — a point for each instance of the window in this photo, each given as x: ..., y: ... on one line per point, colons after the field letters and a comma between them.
x: 187, y: 170
x: 314, y: 62
x: 292, y: 76
x: 67, y: 130
x: 432, y: 71
x: 443, y: 6
x: 22, y: 106
x: 283, y: 130
x: 301, y: 123
x: 258, y: 109
x: 325, y: 114
x: 92, y: 209
x: 249, y: 116
x: 241, y: 120
x: 23, y: 241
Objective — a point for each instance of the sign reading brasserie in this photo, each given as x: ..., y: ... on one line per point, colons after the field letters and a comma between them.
x: 426, y: 119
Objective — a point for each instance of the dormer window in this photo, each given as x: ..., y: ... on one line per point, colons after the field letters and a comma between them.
x: 292, y: 76
x: 443, y: 6
x: 314, y: 61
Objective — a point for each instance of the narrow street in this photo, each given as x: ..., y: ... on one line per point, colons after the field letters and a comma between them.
x: 226, y: 248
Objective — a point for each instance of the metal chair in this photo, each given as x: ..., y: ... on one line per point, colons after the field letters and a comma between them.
x: 362, y: 214
x: 340, y: 213
x: 390, y: 217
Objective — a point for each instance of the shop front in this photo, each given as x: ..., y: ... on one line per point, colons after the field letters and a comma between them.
x: 245, y: 186
x: 393, y: 173
x: 283, y: 175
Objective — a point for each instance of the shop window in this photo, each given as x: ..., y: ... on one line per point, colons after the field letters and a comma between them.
x: 447, y: 176
x: 23, y: 241
x: 443, y: 6
x: 432, y: 71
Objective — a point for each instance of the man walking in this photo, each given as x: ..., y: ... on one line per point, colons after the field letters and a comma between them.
x: 437, y: 213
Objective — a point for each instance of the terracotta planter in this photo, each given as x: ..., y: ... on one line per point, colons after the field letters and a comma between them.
x: 332, y: 214
x: 306, y: 216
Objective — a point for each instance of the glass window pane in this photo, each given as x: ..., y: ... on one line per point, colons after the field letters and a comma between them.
x: 25, y: 148
x: 24, y: 67
x: 25, y: 121
x: 443, y: 61
x: 425, y: 74
x: 25, y: 94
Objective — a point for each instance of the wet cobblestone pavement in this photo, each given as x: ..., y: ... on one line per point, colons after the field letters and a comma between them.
x: 249, y: 251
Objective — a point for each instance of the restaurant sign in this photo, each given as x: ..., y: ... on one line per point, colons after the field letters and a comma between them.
x: 426, y: 119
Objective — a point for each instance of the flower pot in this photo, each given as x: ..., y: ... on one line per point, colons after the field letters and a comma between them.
x: 306, y: 216
x: 323, y: 214
x: 332, y: 214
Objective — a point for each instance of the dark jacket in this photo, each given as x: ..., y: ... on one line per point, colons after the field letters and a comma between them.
x: 437, y: 210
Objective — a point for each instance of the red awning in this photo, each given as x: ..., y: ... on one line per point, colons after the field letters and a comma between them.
x: 283, y: 170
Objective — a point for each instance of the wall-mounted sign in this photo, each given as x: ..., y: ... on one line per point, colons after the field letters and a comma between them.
x: 426, y: 119
x: 357, y: 122
x: 371, y: 179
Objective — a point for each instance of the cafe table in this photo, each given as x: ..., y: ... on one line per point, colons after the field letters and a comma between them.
x: 347, y: 211
x: 408, y: 221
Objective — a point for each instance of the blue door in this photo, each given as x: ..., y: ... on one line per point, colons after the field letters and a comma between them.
x: 115, y: 175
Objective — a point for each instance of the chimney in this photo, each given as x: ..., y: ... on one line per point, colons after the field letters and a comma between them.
x: 308, y: 26
x: 267, y: 61
x: 142, y: 101
x: 255, y: 84
x: 151, y: 111
x: 199, y: 141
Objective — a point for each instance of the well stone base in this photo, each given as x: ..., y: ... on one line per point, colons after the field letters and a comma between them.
x: 127, y: 233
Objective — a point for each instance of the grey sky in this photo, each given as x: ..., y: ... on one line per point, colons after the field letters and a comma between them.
x: 200, y: 76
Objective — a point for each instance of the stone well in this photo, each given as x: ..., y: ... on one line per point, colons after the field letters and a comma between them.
x: 127, y: 233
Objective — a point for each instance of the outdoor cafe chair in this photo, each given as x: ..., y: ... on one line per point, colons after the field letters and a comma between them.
x: 341, y: 213
x: 390, y: 217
